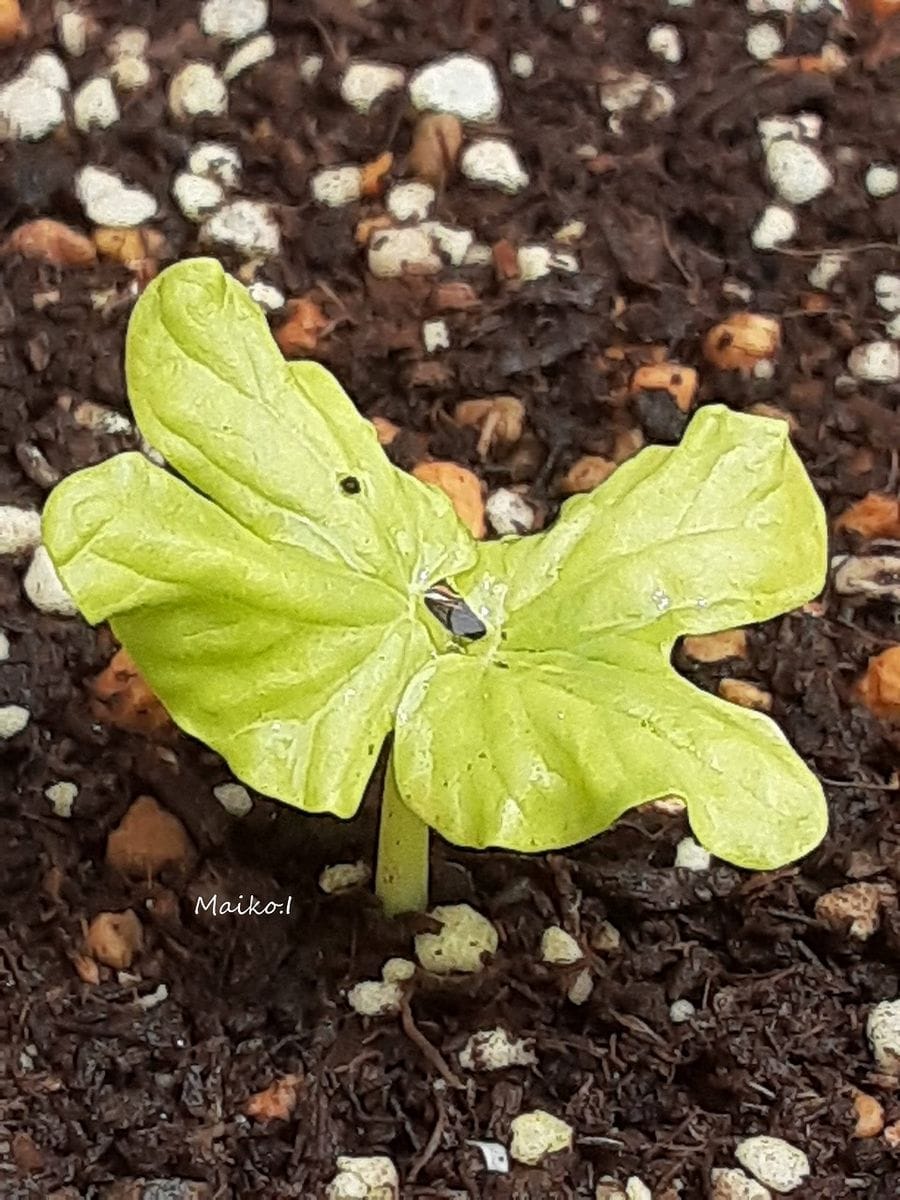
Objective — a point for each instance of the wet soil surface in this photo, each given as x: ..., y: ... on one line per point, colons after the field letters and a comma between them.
x: 101, y: 1096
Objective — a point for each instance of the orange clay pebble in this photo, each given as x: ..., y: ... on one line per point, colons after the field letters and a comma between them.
x: 881, y: 10
x: 12, y: 23
x: 586, y: 474
x: 716, y: 647
x: 369, y: 225
x: 115, y: 938
x: 122, y: 698
x: 869, y: 1116
x: 500, y: 419
x: 747, y: 695
x: 436, y: 143
x: 680, y: 382
x: 303, y: 327
x: 136, y: 249
x: 879, y: 688
x: 385, y: 429
x: 147, y: 839
x: 774, y: 413
x: 742, y: 341
x: 462, y: 486
x: 876, y: 515
x: 372, y: 174
x: 51, y: 242
x: 86, y: 969
x: 627, y: 444
x: 276, y: 1102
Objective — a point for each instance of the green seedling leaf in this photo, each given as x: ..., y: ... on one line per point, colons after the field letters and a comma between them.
x: 569, y: 712
x: 276, y: 610
x: 282, y: 599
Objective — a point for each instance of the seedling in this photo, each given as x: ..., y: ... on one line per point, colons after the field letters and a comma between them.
x: 299, y: 598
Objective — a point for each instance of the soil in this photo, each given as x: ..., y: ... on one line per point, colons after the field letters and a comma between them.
x: 103, y: 1098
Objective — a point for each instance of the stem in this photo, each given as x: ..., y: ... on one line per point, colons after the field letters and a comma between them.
x: 401, y: 873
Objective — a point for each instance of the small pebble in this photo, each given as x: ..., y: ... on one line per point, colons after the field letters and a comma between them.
x: 213, y: 160
x: 195, y: 196
x: 764, y: 41
x: 732, y: 1184
x: 869, y: 1116
x: 245, y: 225
x: 251, y: 54
x: 826, y: 270
x: 375, y: 998
x: 48, y: 68
x: 233, y: 20
x: 797, y: 172
x: 130, y: 73
x: 95, y: 105
x: 130, y: 42
x: 20, y: 529
x: 681, y: 1011
x: 410, y: 201
x: 461, y: 84
x: 464, y: 939
x: 746, y: 694
x: 337, y: 186
x: 534, y: 262
x: 887, y: 292
x: 521, y: 65
x: 883, y: 1032
x: 559, y: 948
x: 364, y: 83
x: 397, y: 970
x: 803, y: 127
x: 875, y: 362
x: 536, y: 1134
x: 492, y: 162
x: 267, y: 296
x: 882, y: 181
x: 691, y: 856
x: 234, y: 798
x: 495, y: 1050
x: 396, y: 252
x: 774, y: 1162
x: 775, y: 227
x: 435, y: 336
x: 509, y: 513
x: 579, y: 991
x: 62, y: 797
x: 311, y: 68
x: 341, y: 877
x: 372, y: 1177
x: 44, y: 588
x: 665, y: 42
x: 636, y: 1189
x: 455, y: 243
x: 29, y: 109
x: 198, y: 90
x: 4, y: 647
x: 72, y: 30
x: 13, y: 719
x: 108, y: 200
x: 590, y: 14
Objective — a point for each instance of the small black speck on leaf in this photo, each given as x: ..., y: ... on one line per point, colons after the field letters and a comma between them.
x: 350, y: 485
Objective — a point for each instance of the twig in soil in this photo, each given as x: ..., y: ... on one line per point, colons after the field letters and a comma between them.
x: 862, y: 248
x: 893, y: 786
x: 431, y: 1146
x: 429, y: 1052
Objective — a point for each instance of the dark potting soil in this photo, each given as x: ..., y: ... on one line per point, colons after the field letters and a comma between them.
x: 100, y: 1097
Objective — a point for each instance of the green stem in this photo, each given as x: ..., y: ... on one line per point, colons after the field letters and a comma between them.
x: 401, y: 873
